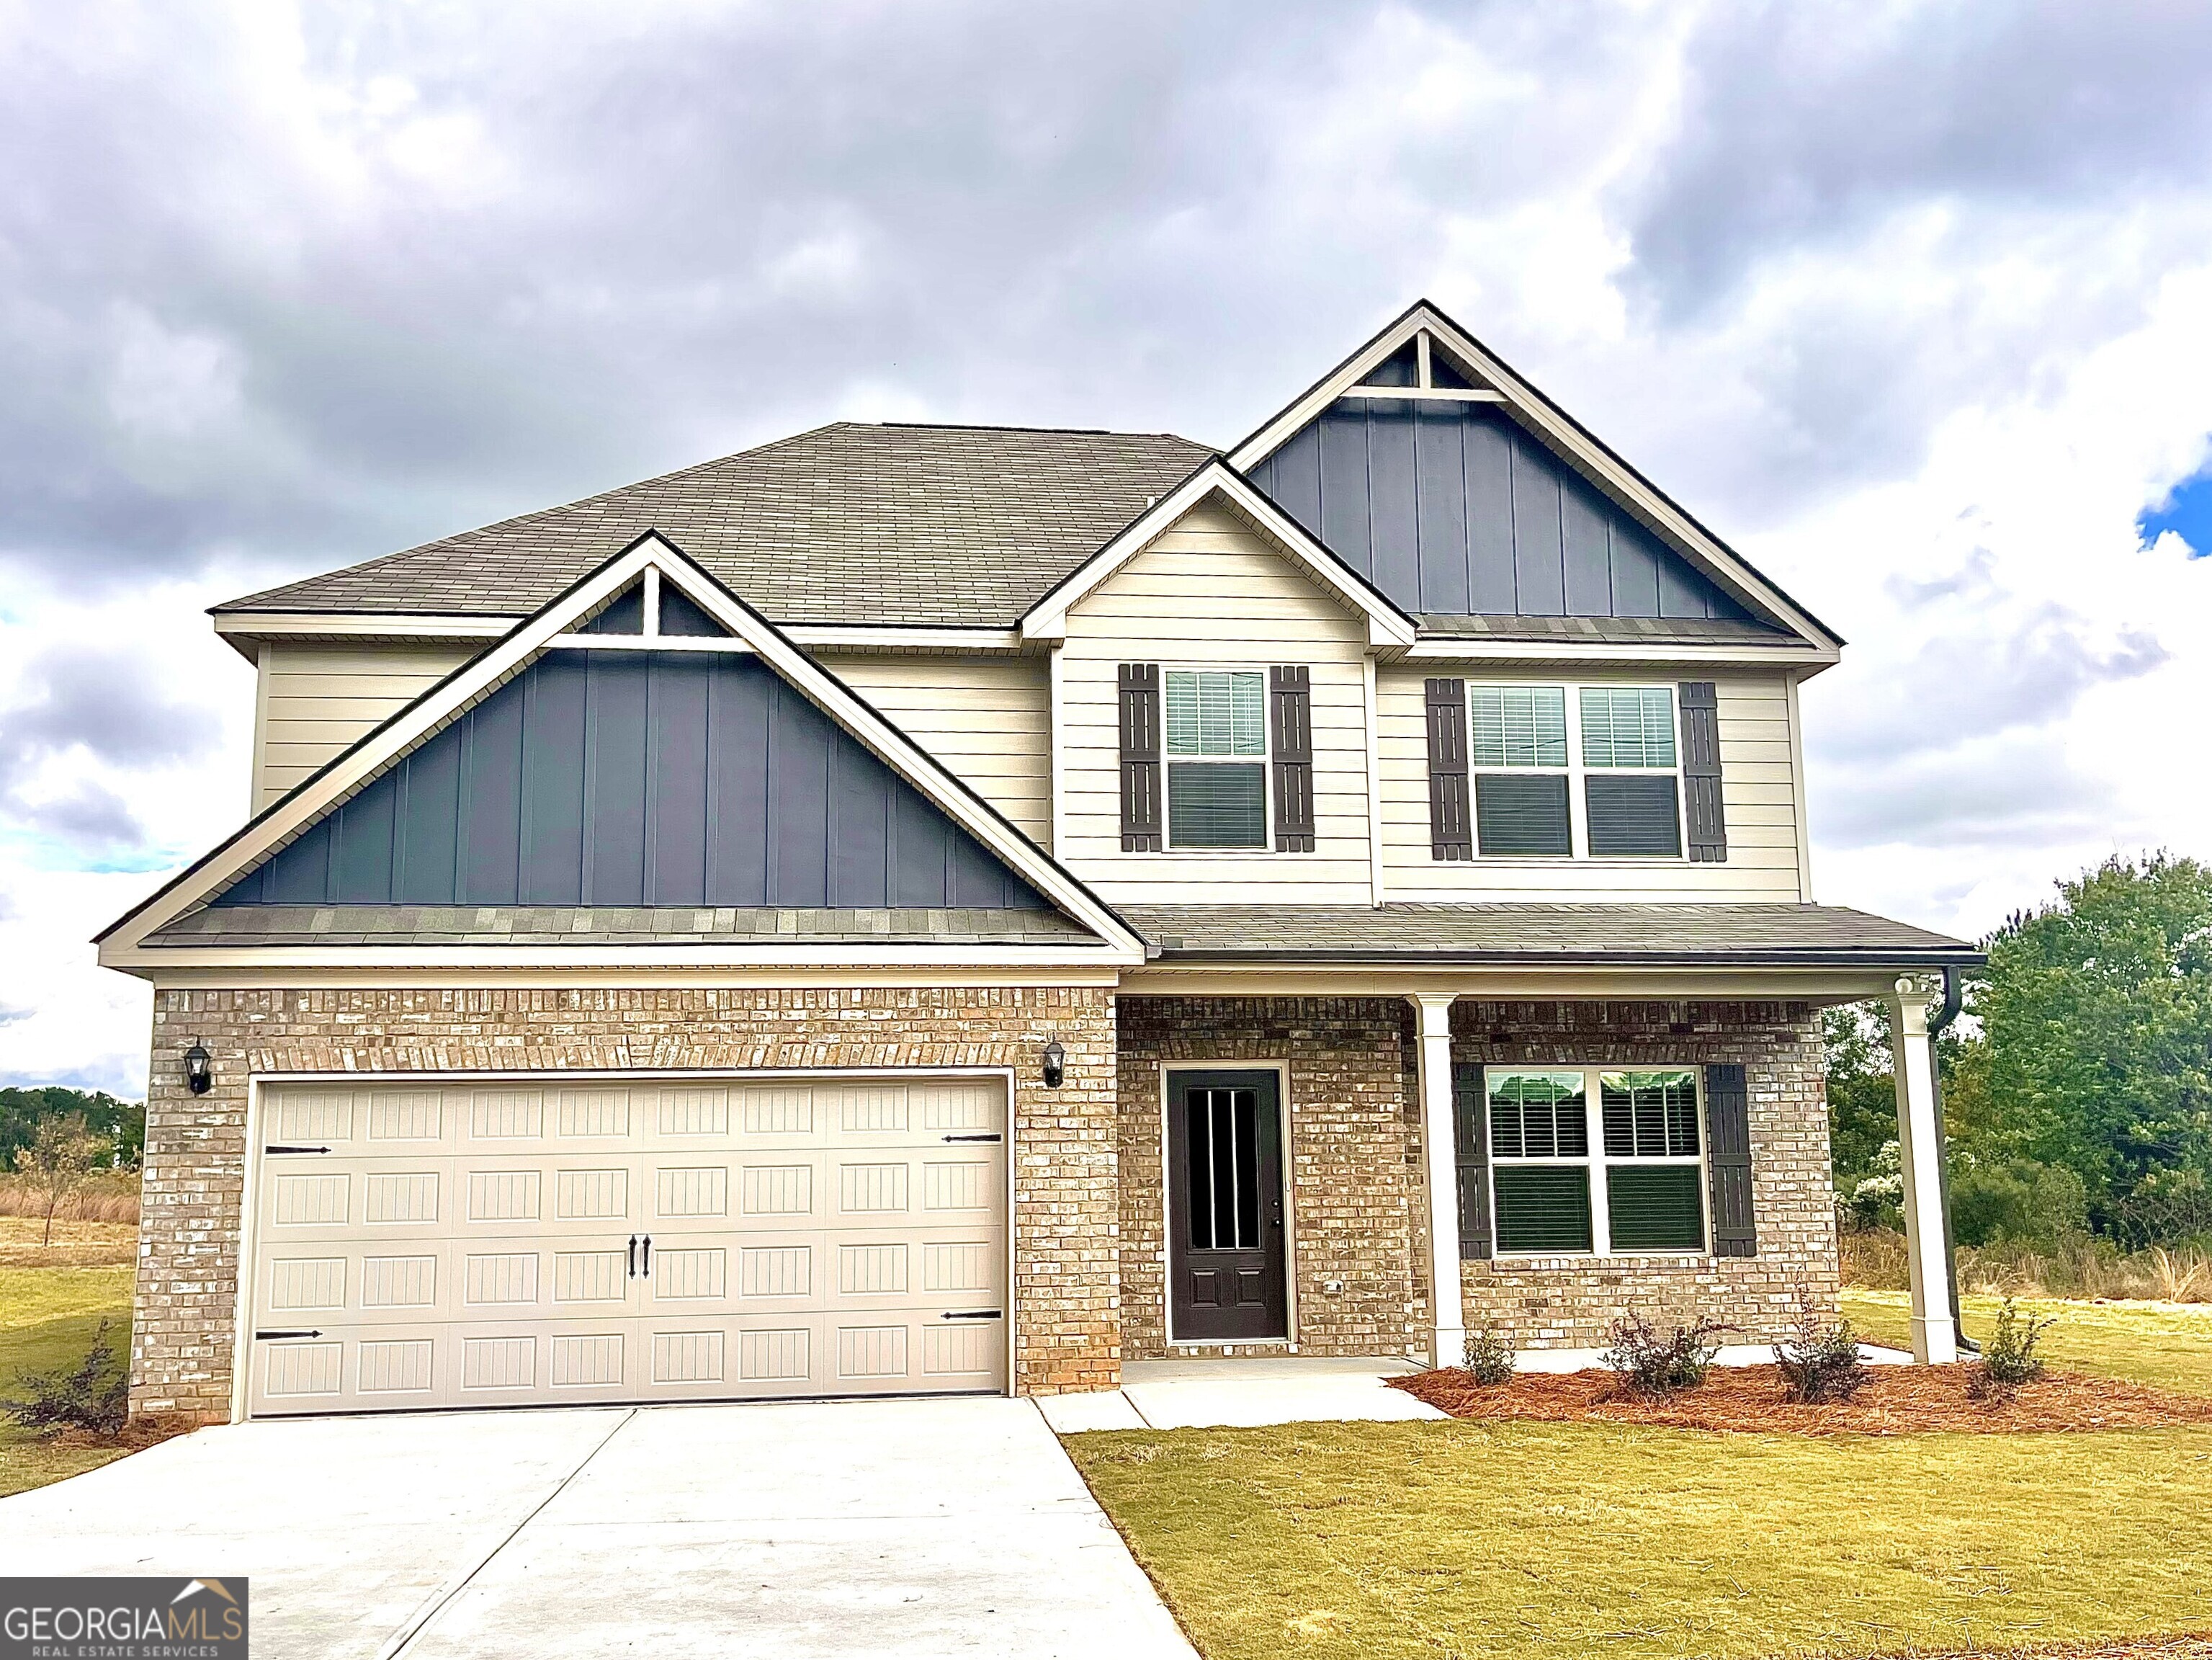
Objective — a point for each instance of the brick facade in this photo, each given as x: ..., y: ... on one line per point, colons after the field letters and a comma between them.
x: 1358, y: 1185
x: 1090, y: 1277
x: 1067, y: 1331
x: 1566, y: 1303
x: 1353, y: 1145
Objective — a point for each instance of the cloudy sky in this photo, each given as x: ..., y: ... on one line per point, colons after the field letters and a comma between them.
x: 1912, y: 303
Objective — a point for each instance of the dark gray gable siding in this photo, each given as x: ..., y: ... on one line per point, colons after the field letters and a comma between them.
x: 638, y: 778
x: 1455, y: 510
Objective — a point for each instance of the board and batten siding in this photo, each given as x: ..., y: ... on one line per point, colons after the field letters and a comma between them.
x: 1210, y: 592
x: 314, y: 702
x: 1758, y: 792
x: 986, y: 719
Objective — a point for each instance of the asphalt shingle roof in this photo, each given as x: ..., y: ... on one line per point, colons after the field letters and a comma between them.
x: 1518, y: 932
x: 917, y: 524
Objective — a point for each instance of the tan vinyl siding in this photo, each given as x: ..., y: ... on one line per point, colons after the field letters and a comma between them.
x: 986, y: 719
x: 1211, y: 593
x: 316, y: 701
x: 1759, y: 795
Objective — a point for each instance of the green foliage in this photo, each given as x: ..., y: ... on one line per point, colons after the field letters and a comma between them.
x: 2096, y: 1013
x: 2017, y: 1202
x: 93, y: 1394
x: 1651, y: 1364
x: 120, y: 1125
x: 2009, y: 1359
x: 1820, y: 1360
x: 1490, y: 1357
x: 1862, y: 1097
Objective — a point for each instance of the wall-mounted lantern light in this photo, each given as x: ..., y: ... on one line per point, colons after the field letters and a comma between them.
x: 199, y: 1069
x: 1055, y: 1064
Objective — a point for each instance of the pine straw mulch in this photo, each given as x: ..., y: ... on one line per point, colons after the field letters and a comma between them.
x: 1895, y: 1401
x: 141, y: 1431
x: 2132, y: 1648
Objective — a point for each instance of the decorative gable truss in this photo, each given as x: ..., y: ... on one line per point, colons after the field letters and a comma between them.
x: 646, y: 740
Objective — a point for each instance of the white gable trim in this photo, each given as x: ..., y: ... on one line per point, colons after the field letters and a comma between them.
x: 652, y: 552
x: 1711, y: 556
x: 1386, y: 624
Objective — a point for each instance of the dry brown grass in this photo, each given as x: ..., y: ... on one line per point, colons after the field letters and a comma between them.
x: 2092, y: 1269
x: 1894, y: 1401
x: 75, y: 1245
x: 107, y: 1196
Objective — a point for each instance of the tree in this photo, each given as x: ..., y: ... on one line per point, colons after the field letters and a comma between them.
x: 122, y: 1124
x: 2097, y: 1015
x: 1862, y: 1091
x: 63, y: 1151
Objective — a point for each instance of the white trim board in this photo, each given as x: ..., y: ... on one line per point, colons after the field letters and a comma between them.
x: 120, y: 944
x: 1561, y: 433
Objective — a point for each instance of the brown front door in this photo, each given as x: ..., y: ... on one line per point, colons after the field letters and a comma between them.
x: 1226, y: 1206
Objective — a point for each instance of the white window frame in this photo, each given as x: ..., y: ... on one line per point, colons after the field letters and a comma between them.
x: 1265, y: 761
x: 1576, y: 772
x: 1598, y: 1162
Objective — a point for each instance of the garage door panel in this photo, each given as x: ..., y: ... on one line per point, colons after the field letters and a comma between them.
x: 580, y: 1240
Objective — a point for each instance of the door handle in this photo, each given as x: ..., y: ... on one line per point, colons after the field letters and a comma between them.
x: 632, y: 1271
x: 974, y: 1138
x: 295, y: 1149
x: 979, y: 1314
x: 647, y: 1271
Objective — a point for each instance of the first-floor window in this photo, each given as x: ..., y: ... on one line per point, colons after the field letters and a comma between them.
x: 1637, y: 1185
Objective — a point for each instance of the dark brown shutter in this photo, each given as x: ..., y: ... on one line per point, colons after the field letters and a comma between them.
x: 1728, y: 1160
x: 1701, y: 772
x: 1140, y: 757
x: 1471, y: 1121
x: 1451, y: 824
x: 1289, y: 712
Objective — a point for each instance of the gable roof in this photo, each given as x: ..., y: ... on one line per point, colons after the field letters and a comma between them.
x: 1423, y: 328
x: 1386, y: 624
x: 923, y: 525
x: 1107, y: 938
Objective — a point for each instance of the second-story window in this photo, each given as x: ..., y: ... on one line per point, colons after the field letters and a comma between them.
x: 1519, y: 754
x: 1631, y: 798
x: 1217, y: 757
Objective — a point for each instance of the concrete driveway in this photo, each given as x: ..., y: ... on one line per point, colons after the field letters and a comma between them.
x: 896, y: 1528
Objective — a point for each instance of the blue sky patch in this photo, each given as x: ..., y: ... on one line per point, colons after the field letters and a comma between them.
x: 2186, y: 510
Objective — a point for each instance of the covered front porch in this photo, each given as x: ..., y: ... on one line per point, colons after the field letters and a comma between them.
x: 1359, y: 1158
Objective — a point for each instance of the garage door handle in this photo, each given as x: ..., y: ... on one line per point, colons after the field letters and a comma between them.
x: 633, y: 1256
x: 979, y: 1314
x: 295, y: 1149
x: 262, y: 1336
x: 974, y: 1138
x: 647, y: 1270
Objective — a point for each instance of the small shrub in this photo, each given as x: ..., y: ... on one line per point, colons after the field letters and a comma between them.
x: 2009, y: 1359
x: 1651, y: 1364
x: 95, y: 1394
x: 1820, y: 1361
x: 1490, y: 1357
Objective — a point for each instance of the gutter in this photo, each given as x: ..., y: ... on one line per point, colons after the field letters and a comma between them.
x: 1954, y: 999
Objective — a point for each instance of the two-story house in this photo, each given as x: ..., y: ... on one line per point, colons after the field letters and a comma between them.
x: 918, y: 907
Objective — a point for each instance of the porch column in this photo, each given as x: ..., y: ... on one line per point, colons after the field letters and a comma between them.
x: 1934, y: 1338
x: 1439, y: 1142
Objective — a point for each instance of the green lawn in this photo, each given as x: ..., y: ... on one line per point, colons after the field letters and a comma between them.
x: 2163, y: 1343
x: 1479, y: 1539
x: 48, y: 1317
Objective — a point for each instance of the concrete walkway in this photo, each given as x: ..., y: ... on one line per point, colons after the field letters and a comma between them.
x: 891, y: 1528
x: 1248, y: 1391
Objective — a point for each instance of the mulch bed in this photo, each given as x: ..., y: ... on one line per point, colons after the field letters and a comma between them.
x: 2138, y: 1648
x: 1895, y: 1401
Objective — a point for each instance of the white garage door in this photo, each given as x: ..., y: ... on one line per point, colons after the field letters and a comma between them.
x: 431, y: 1243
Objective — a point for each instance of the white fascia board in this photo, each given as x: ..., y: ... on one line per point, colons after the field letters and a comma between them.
x: 1386, y: 624
x: 1505, y: 982
x: 408, y: 625
x: 857, y: 637
x: 481, y: 674
x: 1721, y: 563
x: 151, y: 962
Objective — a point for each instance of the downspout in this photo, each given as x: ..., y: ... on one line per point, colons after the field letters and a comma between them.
x: 1953, y: 999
